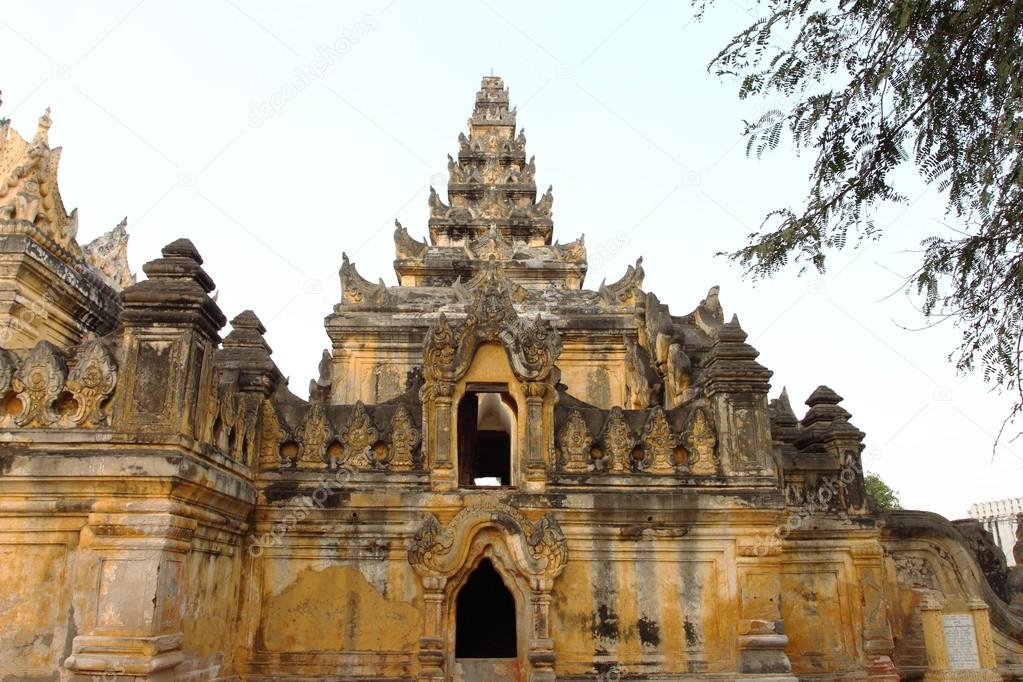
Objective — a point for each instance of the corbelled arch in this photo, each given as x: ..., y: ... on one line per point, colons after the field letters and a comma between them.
x: 528, y: 554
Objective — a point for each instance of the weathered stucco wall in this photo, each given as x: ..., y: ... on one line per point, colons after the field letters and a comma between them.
x: 170, y: 510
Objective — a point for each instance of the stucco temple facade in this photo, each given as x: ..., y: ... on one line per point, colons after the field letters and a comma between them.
x: 499, y: 473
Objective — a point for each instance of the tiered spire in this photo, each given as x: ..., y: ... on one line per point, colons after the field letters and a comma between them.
x: 492, y: 215
x: 491, y: 184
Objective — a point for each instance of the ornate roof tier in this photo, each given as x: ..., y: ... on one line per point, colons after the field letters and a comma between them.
x: 492, y: 212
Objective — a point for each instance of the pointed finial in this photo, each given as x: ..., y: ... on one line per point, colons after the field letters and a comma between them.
x: 43, y: 129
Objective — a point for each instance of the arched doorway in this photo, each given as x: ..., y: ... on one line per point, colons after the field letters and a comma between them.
x: 487, y: 537
x: 486, y: 628
x: 485, y: 624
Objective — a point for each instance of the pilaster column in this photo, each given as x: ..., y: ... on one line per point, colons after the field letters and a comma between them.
x: 541, y: 646
x: 130, y: 593
x: 762, y: 638
x: 985, y: 643
x: 940, y: 667
x: 442, y: 472
x: 536, y: 466
x: 431, y: 644
x: 878, y: 644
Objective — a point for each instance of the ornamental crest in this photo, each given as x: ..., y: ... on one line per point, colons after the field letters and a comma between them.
x: 659, y: 443
x: 358, y: 438
x: 91, y: 382
x: 576, y: 444
x: 532, y: 348
x: 618, y: 442
x: 39, y: 381
x: 404, y: 439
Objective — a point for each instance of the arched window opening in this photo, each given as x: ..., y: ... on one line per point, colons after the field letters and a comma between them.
x: 486, y: 433
x: 485, y: 616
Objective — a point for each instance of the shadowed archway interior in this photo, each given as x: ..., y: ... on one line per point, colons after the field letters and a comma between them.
x: 486, y: 424
x: 485, y: 616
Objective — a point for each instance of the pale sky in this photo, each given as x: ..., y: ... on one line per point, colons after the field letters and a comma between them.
x: 186, y: 118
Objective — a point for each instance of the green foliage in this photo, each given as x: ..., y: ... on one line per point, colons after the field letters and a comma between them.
x: 878, y: 84
x: 884, y: 498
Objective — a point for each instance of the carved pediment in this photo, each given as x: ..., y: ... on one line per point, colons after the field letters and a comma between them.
x: 490, y: 246
x: 539, y: 547
x: 314, y: 434
x: 467, y: 291
x: 532, y: 347
x: 495, y: 205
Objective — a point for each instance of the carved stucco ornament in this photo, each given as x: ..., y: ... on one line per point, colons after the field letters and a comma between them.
x: 618, y: 441
x: 271, y: 435
x: 38, y: 382
x: 8, y: 366
x: 539, y: 548
x: 532, y: 348
x: 91, y: 382
x: 356, y: 289
x: 404, y: 439
x: 28, y: 185
x: 626, y: 291
x: 701, y: 442
x: 405, y: 246
x: 659, y: 443
x: 314, y: 434
x: 576, y: 445
x: 490, y: 246
x: 227, y: 414
x: 572, y: 252
x: 245, y: 427
x: 491, y: 272
x: 108, y: 254
x: 357, y: 439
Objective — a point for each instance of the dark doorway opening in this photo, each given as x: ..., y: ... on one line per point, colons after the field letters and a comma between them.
x: 485, y: 616
x: 486, y: 421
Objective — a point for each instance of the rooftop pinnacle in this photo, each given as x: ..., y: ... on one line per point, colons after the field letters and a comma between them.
x: 491, y: 183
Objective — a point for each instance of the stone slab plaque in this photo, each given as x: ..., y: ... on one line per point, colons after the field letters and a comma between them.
x: 960, y: 642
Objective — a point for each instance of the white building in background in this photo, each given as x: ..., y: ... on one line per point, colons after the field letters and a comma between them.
x: 1000, y: 518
